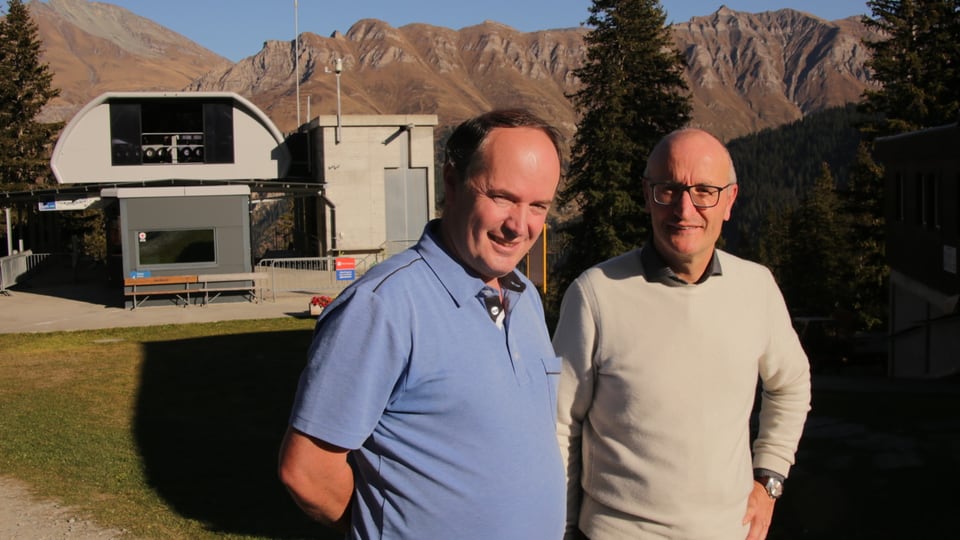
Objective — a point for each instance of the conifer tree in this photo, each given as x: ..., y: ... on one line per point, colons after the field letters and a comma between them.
x: 812, y: 279
x: 867, y: 271
x: 773, y: 245
x: 633, y: 93
x: 917, y: 63
x: 25, y: 88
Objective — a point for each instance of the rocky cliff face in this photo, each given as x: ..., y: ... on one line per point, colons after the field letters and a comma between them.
x: 749, y: 72
x: 418, y: 68
x: 746, y: 71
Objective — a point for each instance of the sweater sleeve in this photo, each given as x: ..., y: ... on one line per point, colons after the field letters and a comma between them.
x: 785, y: 399
x: 574, y: 341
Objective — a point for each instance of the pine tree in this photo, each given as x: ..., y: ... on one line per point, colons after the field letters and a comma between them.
x: 633, y: 93
x: 773, y: 244
x: 917, y: 63
x: 25, y: 88
x: 811, y: 280
x: 867, y: 270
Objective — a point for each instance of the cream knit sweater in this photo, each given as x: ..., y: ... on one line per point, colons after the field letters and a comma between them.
x: 656, y: 393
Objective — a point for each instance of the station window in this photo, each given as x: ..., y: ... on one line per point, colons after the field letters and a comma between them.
x: 171, y: 132
x: 177, y: 247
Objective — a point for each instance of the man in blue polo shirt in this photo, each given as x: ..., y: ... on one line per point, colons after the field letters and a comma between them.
x: 427, y: 407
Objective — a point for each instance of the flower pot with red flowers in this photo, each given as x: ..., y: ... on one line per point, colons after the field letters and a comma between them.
x: 317, y: 303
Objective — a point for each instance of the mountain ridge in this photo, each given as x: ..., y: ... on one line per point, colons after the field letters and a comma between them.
x: 746, y: 72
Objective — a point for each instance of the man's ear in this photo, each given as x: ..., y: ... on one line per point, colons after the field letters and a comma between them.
x: 449, y: 182
x: 645, y: 190
x: 450, y: 179
x: 732, y: 192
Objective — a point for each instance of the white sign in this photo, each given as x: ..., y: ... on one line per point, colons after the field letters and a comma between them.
x: 67, y: 204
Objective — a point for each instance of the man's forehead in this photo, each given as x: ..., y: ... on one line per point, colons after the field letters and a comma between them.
x: 683, y: 162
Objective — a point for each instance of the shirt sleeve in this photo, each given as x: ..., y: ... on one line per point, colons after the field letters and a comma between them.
x: 355, y: 361
x: 574, y: 342
x: 785, y: 399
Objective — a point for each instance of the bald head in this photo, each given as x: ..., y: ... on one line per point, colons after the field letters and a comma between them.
x: 694, y: 143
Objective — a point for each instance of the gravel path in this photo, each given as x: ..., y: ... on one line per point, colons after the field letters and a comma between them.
x: 23, y: 516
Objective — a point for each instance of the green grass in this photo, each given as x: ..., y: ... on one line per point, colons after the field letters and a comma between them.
x: 173, y: 432
x: 166, y: 432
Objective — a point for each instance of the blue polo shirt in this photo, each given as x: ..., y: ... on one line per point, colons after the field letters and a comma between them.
x: 452, y: 416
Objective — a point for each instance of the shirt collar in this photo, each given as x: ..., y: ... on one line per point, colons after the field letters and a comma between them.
x: 461, y: 284
x: 656, y: 269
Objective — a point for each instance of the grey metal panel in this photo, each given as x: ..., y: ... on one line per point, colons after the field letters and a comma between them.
x: 417, y: 206
x: 406, y: 203
x: 395, y: 204
x: 227, y: 215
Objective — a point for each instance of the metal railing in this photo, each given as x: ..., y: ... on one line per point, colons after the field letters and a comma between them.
x: 312, y: 274
x: 18, y: 267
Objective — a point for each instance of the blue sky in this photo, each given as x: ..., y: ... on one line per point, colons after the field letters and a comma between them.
x: 237, y: 28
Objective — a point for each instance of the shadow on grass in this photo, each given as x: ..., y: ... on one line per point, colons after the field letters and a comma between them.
x: 210, y: 416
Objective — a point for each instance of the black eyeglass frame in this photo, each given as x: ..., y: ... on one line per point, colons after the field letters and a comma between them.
x: 683, y: 188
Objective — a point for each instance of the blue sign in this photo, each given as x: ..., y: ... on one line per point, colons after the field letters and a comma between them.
x: 346, y: 275
x: 136, y: 274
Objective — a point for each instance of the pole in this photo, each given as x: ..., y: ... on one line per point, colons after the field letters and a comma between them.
x: 338, y: 67
x: 6, y: 211
x: 296, y: 52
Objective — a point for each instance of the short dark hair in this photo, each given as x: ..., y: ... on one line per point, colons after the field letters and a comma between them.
x: 468, y: 138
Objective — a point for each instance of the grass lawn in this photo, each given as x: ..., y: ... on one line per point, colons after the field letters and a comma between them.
x: 167, y: 431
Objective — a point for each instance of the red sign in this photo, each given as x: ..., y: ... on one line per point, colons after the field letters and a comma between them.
x: 345, y: 263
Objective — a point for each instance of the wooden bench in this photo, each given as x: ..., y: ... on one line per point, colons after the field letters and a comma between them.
x: 249, y: 283
x: 179, y: 287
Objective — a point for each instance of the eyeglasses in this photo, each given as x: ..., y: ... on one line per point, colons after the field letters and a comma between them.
x: 670, y: 193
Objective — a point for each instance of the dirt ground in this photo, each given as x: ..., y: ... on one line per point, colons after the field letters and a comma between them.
x: 23, y: 516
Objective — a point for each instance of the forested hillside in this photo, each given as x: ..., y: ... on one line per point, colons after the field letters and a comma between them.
x: 775, y: 167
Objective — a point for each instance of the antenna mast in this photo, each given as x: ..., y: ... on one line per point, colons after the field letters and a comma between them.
x: 296, y: 52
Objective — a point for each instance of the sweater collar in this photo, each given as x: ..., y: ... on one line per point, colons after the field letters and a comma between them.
x: 656, y: 268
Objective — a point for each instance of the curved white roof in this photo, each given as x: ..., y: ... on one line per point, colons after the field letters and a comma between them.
x: 83, y: 151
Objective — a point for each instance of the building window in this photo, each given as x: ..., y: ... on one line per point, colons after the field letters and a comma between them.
x: 171, y: 132
x: 930, y: 202
x: 899, y: 197
x: 176, y: 247
x: 918, y: 200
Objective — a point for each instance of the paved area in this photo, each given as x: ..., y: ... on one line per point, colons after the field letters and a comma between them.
x: 91, y: 305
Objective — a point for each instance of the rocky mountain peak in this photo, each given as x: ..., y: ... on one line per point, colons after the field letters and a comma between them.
x: 745, y: 71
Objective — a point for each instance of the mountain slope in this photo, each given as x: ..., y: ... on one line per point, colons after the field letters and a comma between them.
x: 97, y: 47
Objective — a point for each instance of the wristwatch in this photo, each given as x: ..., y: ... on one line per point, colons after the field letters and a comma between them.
x: 773, y: 484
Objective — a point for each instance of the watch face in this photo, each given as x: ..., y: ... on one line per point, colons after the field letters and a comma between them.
x: 774, y: 488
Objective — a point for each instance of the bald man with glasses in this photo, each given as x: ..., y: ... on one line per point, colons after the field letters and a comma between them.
x: 662, y: 349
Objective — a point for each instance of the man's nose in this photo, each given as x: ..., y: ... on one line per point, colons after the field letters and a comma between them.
x: 517, y: 219
x: 685, y: 205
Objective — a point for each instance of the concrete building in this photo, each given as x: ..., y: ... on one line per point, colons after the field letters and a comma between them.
x: 377, y: 173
